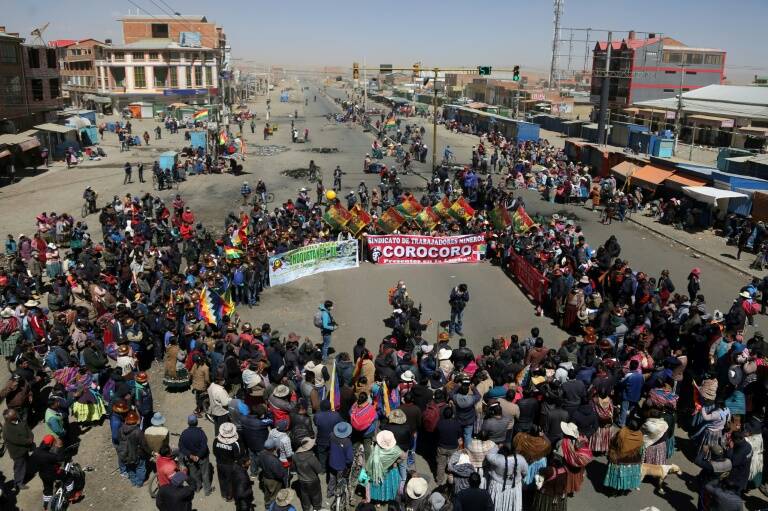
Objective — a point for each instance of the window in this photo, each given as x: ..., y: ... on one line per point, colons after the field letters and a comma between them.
x: 50, y: 57
x: 7, y: 53
x: 686, y: 89
x: 37, y: 89
x: 138, y: 56
x: 10, y: 89
x: 53, y: 83
x: 119, y: 56
x: 154, y: 56
x: 174, y: 72
x: 673, y: 57
x: 669, y: 90
x: 34, y: 57
x: 118, y: 76
x: 208, y: 76
x: 188, y: 76
x: 694, y: 58
x: 670, y: 72
x: 174, y: 55
x: 713, y: 59
x: 139, y: 79
x: 161, y: 75
x: 691, y: 73
x: 159, y: 30
x: 198, y: 76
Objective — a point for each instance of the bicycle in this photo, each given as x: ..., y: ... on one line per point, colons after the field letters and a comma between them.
x: 269, y: 197
x: 341, y: 499
x: 85, y: 210
x: 70, y: 483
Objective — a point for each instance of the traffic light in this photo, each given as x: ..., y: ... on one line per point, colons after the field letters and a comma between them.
x: 484, y: 70
x: 416, y: 69
x: 355, y: 71
x: 516, y: 74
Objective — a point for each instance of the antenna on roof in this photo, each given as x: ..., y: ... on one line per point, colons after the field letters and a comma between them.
x: 37, y: 34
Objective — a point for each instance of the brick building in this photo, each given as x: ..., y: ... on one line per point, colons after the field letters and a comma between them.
x: 162, y: 61
x: 653, y: 68
x: 79, y: 74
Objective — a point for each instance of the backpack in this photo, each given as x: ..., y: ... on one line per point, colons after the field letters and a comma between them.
x: 391, y: 295
x: 432, y: 414
x: 318, y: 319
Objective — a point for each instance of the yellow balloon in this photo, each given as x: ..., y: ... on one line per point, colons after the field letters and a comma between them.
x: 330, y: 195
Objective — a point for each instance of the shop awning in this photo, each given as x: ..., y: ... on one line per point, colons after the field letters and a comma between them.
x: 710, y: 195
x: 650, y: 177
x: 711, y: 118
x: 29, y: 144
x: 685, y: 180
x: 55, y: 128
x: 625, y: 168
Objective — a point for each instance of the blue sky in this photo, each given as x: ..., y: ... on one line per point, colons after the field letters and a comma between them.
x: 445, y: 33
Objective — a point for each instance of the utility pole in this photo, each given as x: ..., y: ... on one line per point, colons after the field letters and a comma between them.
x: 603, y: 113
x: 679, y: 112
x: 434, y: 121
x: 365, y: 90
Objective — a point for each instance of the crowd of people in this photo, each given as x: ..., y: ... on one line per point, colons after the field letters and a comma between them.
x: 510, y: 426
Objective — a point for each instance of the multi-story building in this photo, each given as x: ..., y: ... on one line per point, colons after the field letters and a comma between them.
x: 163, y: 60
x: 79, y: 74
x: 13, y: 98
x: 30, y: 85
x: 653, y: 68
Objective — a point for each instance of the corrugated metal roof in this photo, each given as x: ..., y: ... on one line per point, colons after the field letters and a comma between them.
x: 740, y: 94
x: 56, y: 128
x: 719, y: 108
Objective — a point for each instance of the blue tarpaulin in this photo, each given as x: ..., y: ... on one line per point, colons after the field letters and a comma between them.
x: 92, y: 134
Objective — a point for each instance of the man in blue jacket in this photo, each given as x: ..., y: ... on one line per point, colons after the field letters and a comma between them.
x: 193, y: 446
x: 633, y: 387
x: 255, y: 430
x: 326, y: 324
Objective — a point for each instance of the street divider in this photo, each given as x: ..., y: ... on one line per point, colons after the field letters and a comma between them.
x: 528, y: 277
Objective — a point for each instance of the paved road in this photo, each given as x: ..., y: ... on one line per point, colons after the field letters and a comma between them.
x: 497, y: 306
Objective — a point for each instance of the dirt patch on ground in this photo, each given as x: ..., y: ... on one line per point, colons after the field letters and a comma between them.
x: 297, y: 173
x: 267, y: 150
x: 322, y: 150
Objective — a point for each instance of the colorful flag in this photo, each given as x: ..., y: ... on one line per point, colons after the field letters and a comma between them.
x: 521, y: 221
x: 335, y: 394
x: 409, y: 208
x: 359, y: 221
x: 233, y: 253
x: 227, y: 303
x: 500, y: 217
x: 223, y: 137
x: 201, y: 115
x: 461, y: 210
x: 390, y: 220
x: 337, y: 217
x: 391, y: 122
x: 427, y: 219
x: 209, y: 306
x: 442, y: 207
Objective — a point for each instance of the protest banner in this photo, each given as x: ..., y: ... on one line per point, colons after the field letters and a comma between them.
x: 417, y: 249
x: 312, y: 259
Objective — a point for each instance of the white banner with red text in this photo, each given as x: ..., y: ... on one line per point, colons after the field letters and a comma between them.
x: 418, y: 249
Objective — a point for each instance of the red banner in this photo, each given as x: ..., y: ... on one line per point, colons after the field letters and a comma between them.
x: 416, y: 249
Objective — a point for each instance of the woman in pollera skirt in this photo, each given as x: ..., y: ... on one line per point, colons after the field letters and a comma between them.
x: 625, y: 457
x: 600, y: 440
x: 655, y: 430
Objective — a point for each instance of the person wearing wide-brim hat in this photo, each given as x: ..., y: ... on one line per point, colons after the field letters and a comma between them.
x: 157, y: 435
x: 417, y: 489
x: 227, y: 451
x: 283, y: 500
x: 340, y: 454
x: 308, y: 470
x: 382, y: 467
